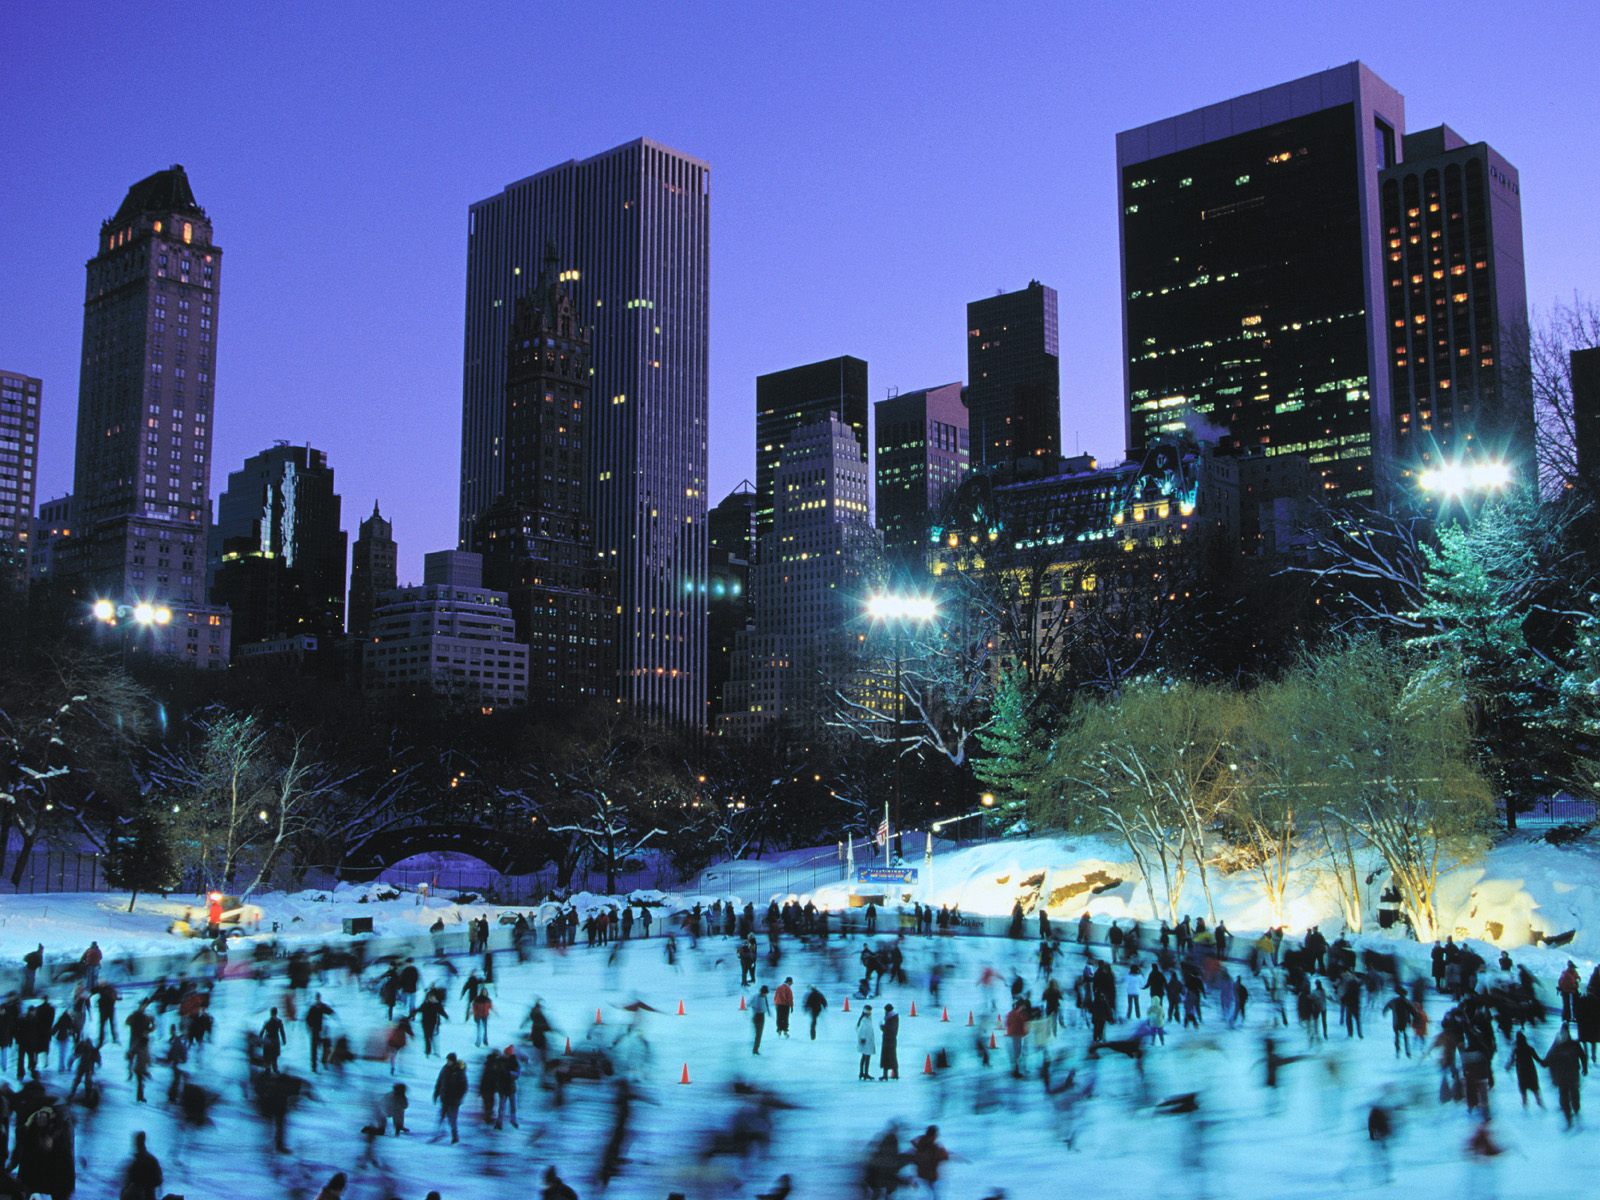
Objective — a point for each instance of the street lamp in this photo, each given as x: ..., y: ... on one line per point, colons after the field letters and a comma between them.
x: 143, y: 615
x: 1453, y: 480
x: 899, y: 609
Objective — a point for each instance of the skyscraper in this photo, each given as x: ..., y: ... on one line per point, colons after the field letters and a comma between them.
x: 788, y: 401
x: 145, y: 393
x: 805, y: 587
x: 1014, y: 378
x: 631, y: 227
x: 374, y: 569
x: 19, y: 460
x: 731, y: 538
x: 537, y: 538
x: 1253, y: 278
x: 277, y: 552
x: 1457, y: 303
x: 922, y: 455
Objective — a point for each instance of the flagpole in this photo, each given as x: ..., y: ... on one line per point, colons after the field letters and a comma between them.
x: 888, y: 835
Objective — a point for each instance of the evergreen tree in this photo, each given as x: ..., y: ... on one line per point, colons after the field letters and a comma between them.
x: 1016, y: 744
x: 141, y: 857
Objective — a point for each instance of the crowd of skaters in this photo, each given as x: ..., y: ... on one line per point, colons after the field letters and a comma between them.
x: 1124, y: 996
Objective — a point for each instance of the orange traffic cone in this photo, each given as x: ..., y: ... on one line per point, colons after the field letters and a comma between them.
x: 685, y: 1078
x: 680, y: 1008
x: 927, y: 1065
x: 597, y: 1016
x: 969, y: 1018
x: 741, y: 1003
x: 946, y: 1017
x: 993, y: 1045
x: 847, y: 1004
x: 913, y: 1008
x: 569, y: 1045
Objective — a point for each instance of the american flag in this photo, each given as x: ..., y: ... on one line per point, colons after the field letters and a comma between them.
x: 883, y: 833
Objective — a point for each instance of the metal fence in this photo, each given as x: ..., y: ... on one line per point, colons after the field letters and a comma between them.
x: 1557, y: 810
x: 53, y: 870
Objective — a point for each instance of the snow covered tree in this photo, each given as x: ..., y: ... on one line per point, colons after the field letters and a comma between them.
x: 946, y: 674
x: 237, y: 799
x: 610, y: 791
x: 1154, y: 766
x: 1392, y: 732
x: 69, y: 725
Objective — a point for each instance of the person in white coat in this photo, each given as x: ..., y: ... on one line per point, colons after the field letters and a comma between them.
x: 866, y: 1041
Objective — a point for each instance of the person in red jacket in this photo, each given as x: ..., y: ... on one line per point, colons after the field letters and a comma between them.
x: 1016, y: 1030
x: 1567, y: 985
x: 783, y: 1004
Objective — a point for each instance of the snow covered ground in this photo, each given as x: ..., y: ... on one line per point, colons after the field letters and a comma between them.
x: 1007, y: 1135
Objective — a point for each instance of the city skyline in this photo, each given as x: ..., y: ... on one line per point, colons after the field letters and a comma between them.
x: 801, y: 266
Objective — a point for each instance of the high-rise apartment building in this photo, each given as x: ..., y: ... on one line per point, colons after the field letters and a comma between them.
x: 1014, y: 378
x: 145, y: 395
x: 277, y: 552
x: 790, y: 400
x: 451, y: 636
x: 731, y: 546
x: 374, y: 569
x: 806, y: 586
x: 537, y: 538
x: 632, y: 230
x: 922, y: 456
x: 1457, y: 303
x: 1253, y: 275
x: 19, y: 461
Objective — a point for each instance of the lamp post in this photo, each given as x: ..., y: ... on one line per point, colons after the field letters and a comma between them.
x: 142, y: 614
x: 1454, y: 480
x: 899, y: 610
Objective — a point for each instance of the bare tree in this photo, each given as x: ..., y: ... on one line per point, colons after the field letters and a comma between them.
x: 945, y: 669
x: 1541, y: 366
x: 235, y: 799
x: 610, y: 793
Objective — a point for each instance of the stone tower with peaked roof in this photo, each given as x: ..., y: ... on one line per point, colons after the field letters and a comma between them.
x: 373, y: 570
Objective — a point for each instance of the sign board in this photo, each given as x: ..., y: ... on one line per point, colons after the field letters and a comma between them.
x: 886, y: 874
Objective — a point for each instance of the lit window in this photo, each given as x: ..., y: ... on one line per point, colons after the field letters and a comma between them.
x: 188, y: 232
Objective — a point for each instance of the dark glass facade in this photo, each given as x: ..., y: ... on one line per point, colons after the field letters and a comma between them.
x: 1014, y: 377
x: 632, y: 231
x: 1253, y: 289
x: 731, y: 530
x: 278, y: 554
x: 789, y: 400
x: 1246, y: 298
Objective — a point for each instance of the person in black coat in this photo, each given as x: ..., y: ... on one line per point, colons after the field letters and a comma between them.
x: 889, y: 1045
x: 44, y: 1154
x: 1527, y: 1062
x: 1016, y: 919
x: 814, y: 1003
x: 1565, y: 1061
x: 142, y: 1180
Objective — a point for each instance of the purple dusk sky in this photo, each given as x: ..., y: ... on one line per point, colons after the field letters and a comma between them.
x: 874, y: 167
